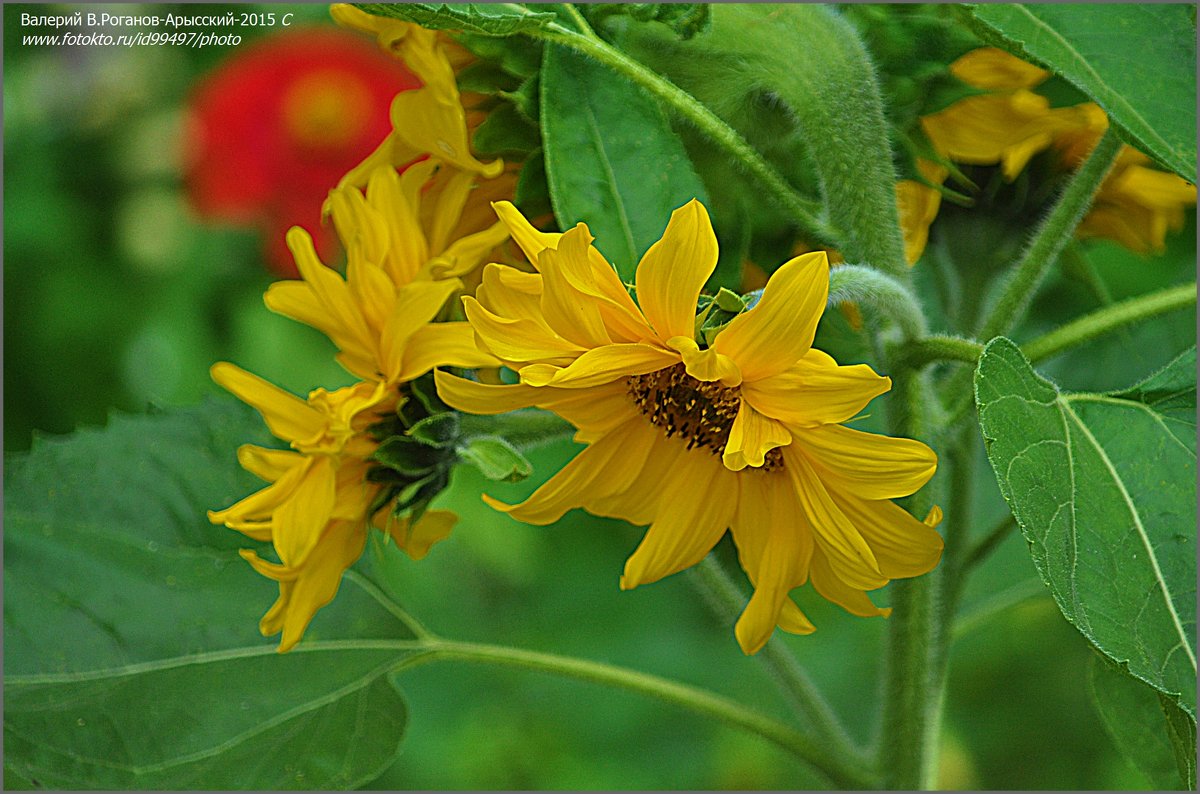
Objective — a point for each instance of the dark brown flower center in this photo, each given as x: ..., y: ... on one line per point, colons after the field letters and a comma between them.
x: 700, y: 412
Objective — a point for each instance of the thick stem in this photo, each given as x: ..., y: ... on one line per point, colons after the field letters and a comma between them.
x: 719, y: 589
x: 882, y: 293
x: 941, y: 348
x: 839, y: 770
x: 914, y: 678
x: 1109, y: 318
x: 806, y: 214
x: 1053, y: 235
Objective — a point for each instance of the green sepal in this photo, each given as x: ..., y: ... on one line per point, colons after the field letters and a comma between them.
x: 495, y: 458
x: 439, y: 430
x: 685, y: 19
x: 407, y: 456
x: 518, y: 56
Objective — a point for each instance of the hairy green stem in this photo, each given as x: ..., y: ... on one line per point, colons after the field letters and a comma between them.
x: 840, y: 771
x: 938, y: 347
x: 1055, y: 232
x: 805, y: 213
x: 914, y: 673
x: 524, y: 429
x: 713, y: 581
x: 882, y: 293
x: 1109, y: 318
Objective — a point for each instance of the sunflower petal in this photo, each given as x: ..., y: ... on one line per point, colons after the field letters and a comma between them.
x: 867, y: 465
x: 592, y: 474
x: 518, y: 340
x: 903, y: 545
x: 779, y: 330
x: 289, y: 417
x: 815, y: 390
x: 571, y: 313
x: 600, y: 365
x: 442, y: 344
x: 674, y: 269
x: 833, y: 588
x: 848, y: 552
x: 752, y: 436
x: 685, y: 532
x: 298, y: 522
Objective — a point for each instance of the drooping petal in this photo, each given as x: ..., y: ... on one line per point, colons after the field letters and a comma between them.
x: 518, y: 340
x: 260, y: 505
x: 510, y: 293
x: 705, y: 365
x: 483, y: 398
x: 296, y: 525
x: 442, y: 344
x: 774, y: 545
x: 867, y: 465
x: 691, y: 524
x: 673, y: 271
x: 465, y: 253
x: 848, y: 552
x: 416, y: 304
x: 417, y: 539
x: 455, y: 188
x: 833, y: 588
x: 641, y: 502
x: 599, y: 366
x: 752, y: 436
x: 289, y: 417
x: 816, y: 390
x: 779, y: 330
x: 531, y: 241
x: 269, y: 464
x: 903, y: 545
x: 592, y: 474
x: 397, y: 197
x: 316, y: 583
x: 572, y: 314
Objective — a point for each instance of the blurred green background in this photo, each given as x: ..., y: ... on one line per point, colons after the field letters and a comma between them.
x: 117, y: 297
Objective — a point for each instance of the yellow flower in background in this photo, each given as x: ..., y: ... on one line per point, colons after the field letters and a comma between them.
x: 429, y: 121
x: 744, y: 435
x: 317, y: 507
x: 402, y: 266
x: 1136, y: 204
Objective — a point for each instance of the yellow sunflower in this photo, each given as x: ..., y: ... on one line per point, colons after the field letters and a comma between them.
x: 316, y: 510
x: 402, y: 266
x: 744, y: 434
x: 1135, y: 206
x: 428, y: 121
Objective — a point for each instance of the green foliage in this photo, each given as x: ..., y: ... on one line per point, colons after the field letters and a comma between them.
x: 684, y: 19
x: 611, y: 158
x: 1135, y: 716
x: 1103, y: 487
x: 489, y: 19
x: 1137, y: 61
x: 131, y: 656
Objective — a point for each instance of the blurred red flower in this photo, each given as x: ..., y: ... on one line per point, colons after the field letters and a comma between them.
x: 272, y: 130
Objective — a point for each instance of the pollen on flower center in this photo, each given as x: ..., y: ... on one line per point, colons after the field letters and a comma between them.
x: 700, y: 412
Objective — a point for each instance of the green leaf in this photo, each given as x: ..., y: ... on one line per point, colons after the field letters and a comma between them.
x: 611, y: 158
x: 1136, y: 60
x: 1134, y: 716
x: 1104, y: 489
x: 132, y: 653
x: 489, y: 19
x: 505, y: 132
x: 496, y: 459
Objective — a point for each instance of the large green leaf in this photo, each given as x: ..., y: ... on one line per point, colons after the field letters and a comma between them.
x: 612, y: 160
x: 1136, y: 60
x: 488, y: 19
x: 132, y: 656
x: 1104, y: 489
x: 1135, y: 717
